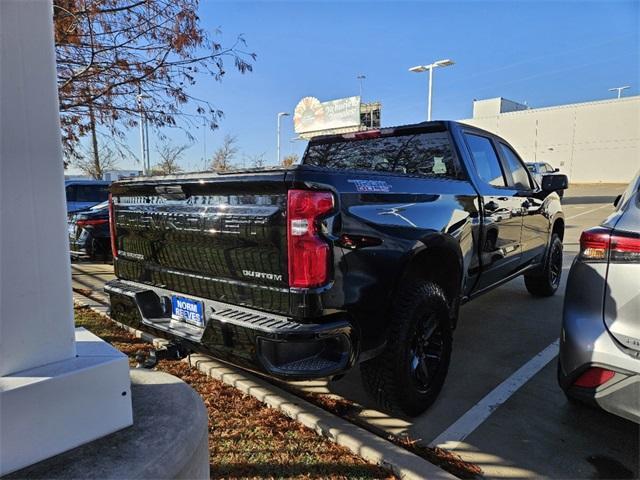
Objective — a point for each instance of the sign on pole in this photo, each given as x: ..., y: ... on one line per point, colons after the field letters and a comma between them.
x: 311, y: 115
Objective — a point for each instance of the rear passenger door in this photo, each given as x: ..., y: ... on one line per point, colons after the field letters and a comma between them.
x: 499, y: 242
x: 535, y: 224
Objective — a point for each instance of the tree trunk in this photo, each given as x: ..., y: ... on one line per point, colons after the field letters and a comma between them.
x: 97, y: 174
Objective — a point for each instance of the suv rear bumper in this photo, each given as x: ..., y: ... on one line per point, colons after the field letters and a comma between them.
x: 260, y: 341
x: 585, y: 342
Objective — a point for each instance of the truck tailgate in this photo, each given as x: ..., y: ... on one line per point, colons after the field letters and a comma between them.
x: 221, y: 237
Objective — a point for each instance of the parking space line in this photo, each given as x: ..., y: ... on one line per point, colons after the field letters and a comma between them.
x: 451, y: 438
x: 588, y: 211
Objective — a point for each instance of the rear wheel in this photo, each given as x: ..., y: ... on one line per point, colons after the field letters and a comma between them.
x: 409, y: 374
x: 545, y: 282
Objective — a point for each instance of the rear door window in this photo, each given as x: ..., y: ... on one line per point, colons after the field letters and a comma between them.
x: 519, y: 175
x: 425, y: 154
x: 70, y: 191
x: 91, y: 193
x: 485, y: 160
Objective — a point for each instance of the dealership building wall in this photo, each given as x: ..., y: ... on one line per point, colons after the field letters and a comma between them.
x: 590, y: 142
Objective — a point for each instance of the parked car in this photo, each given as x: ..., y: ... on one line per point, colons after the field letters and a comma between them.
x: 540, y: 169
x: 599, y: 359
x: 363, y: 253
x: 82, y: 194
x: 89, y: 233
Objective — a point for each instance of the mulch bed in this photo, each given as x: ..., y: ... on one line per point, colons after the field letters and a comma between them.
x: 246, y: 438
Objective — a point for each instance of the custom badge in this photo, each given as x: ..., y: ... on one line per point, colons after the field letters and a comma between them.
x: 371, y: 186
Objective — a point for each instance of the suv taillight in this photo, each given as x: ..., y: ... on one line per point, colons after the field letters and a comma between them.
x: 308, y: 252
x: 594, y: 377
x: 112, y: 228
x: 602, y: 244
x: 91, y: 223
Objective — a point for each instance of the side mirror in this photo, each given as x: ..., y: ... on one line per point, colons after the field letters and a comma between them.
x: 555, y: 182
x: 616, y: 202
x: 556, y: 169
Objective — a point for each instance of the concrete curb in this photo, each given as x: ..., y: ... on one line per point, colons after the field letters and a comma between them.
x: 374, y: 449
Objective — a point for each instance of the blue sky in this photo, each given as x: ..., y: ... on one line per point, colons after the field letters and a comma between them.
x: 544, y: 53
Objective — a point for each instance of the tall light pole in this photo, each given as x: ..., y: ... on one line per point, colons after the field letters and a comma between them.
x: 142, y: 145
x: 361, y: 78
x: 280, y: 115
x: 144, y: 135
x: 423, y: 68
x: 619, y: 90
x: 204, y: 141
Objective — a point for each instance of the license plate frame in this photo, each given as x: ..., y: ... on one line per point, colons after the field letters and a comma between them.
x: 187, y: 310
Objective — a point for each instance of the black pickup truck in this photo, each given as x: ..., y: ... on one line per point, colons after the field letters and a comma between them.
x: 362, y: 254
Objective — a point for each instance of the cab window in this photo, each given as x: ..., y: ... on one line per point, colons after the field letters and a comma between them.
x: 519, y: 175
x: 485, y: 160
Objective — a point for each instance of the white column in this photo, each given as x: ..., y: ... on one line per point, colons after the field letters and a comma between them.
x: 59, y: 387
x: 36, y: 309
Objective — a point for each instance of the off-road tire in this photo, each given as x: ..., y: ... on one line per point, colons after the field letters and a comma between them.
x: 545, y: 282
x: 389, y: 378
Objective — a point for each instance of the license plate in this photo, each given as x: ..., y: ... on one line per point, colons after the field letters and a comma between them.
x: 187, y: 310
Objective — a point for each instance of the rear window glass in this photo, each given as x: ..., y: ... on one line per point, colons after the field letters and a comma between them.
x: 426, y: 154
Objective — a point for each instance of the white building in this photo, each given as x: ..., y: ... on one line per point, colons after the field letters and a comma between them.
x: 590, y: 142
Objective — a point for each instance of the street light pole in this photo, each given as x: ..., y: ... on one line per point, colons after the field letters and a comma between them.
x: 423, y: 68
x: 142, y: 140
x: 280, y: 115
x: 430, y: 93
x: 619, y: 90
x: 204, y: 141
x: 361, y: 77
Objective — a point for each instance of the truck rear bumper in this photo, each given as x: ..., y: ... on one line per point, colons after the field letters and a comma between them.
x: 260, y: 341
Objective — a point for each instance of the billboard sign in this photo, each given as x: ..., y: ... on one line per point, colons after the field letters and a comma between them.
x: 311, y: 115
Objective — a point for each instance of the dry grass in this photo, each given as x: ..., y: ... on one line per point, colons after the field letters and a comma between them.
x: 246, y: 438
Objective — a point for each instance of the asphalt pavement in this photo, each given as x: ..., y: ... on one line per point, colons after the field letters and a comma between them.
x: 501, y: 407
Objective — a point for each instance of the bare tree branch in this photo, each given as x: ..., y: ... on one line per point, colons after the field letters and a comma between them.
x: 170, y: 156
x: 223, y: 157
x: 110, y: 51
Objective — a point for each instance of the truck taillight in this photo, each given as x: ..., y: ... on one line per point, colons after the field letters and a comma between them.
x: 308, y: 252
x: 112, y: 228
x: 602, y: 244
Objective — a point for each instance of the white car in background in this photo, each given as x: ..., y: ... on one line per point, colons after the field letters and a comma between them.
x: 540, y: 169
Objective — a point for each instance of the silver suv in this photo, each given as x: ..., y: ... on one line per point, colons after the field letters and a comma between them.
x: 600, y: 341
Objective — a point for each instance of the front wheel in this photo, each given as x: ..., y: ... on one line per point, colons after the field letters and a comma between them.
x: 545, y: 282
x: 409, y: 374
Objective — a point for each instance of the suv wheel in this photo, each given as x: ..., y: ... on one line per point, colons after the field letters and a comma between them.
x: 409, y: 374
x: 545, y: 282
